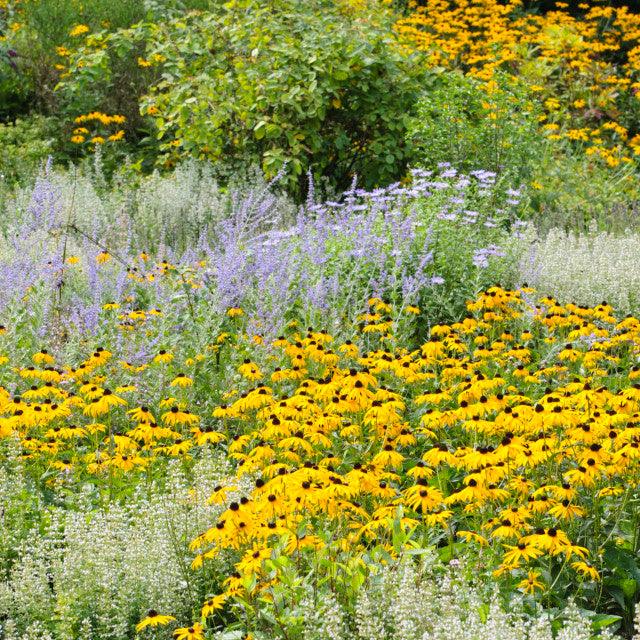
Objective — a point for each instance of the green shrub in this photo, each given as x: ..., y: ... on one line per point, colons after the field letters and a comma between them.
x: 25, y: 146
x: 574, y: 192
x: 45, y: 26
x: 477, y: 127
x: 306, y: 85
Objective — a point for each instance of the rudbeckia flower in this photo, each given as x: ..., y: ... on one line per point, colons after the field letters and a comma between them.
x: 194, y: 632
x: 153, y: 619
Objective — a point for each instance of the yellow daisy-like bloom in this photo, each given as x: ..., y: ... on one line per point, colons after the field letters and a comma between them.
x: 175, y: 417
x: 521, y: 551
x: 213, y: 604
x: 181, y: 380
x: 194, y: 632
x: 103, y: 257
x: 234, y: 312
x: 163, y: 356
x: 531, y: 583
x: 250, y: 370
x: 154, y: 619
x: 141, y: 415
x: 118, y: 135
x: 468, y: 536
x: 101, y: 405
x: 586, y: 570
x: 42, y: 357
x: 79, y: 30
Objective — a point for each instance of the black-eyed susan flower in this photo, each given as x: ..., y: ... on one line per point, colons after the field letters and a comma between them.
x: 194, y: 632
x: 154, y: 619
x: 213, y: 604
x: 181, y: 380
x: 163, y: 356
x: 177, y: 417
x: 531, y: 583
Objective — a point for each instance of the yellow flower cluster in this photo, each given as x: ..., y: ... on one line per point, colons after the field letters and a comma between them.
x: 100, y: 123
x: 505, y: 430
x: 584, y: 66
x: 155, y: 59
x: 79, y: 30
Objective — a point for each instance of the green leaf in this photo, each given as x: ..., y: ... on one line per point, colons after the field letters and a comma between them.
x: 602, y: 620
x: 259, y: 130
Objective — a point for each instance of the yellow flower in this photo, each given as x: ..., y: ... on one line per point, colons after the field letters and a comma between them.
x: 163, y: 356
x: 153, y: 619
x: 43, y: 357
x: 181, y: 380
x: 118, y: 135
x: 586, y: 570
x: 175, y: 417
x: 79, y: 30
x: 103, y: 257
x: 531, y: 583
x: 77, y: 139
x: 194, y: 632
x: 250, y: 370
x: 213, y: 604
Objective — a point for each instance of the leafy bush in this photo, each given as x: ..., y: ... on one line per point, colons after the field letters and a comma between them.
x: 470, y: 124
x: 45, y: 30
x: 575, y: 193
x: 25, y: 145
x: 306, y: 85
x: 15, y: 88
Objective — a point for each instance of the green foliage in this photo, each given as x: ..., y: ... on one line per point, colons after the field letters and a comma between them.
x: 275, y: 84
x: 473, y: 127
x: 457, y: 246
x: 14, y: 86
x: 575, y: 193
x: 25, y: 146
x: 46, y: 25
x: 52, y: 20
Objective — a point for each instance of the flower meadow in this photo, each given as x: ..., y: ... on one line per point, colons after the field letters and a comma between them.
x: 319, y: 321
x: 262, y: 425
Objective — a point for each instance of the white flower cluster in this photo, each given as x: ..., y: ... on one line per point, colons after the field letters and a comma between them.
x: 169, y: 209
x: 87, y: 573
x: 420, y: 601
x: 94, y: 573
x: 637, y: 623
x: 585, y: 268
